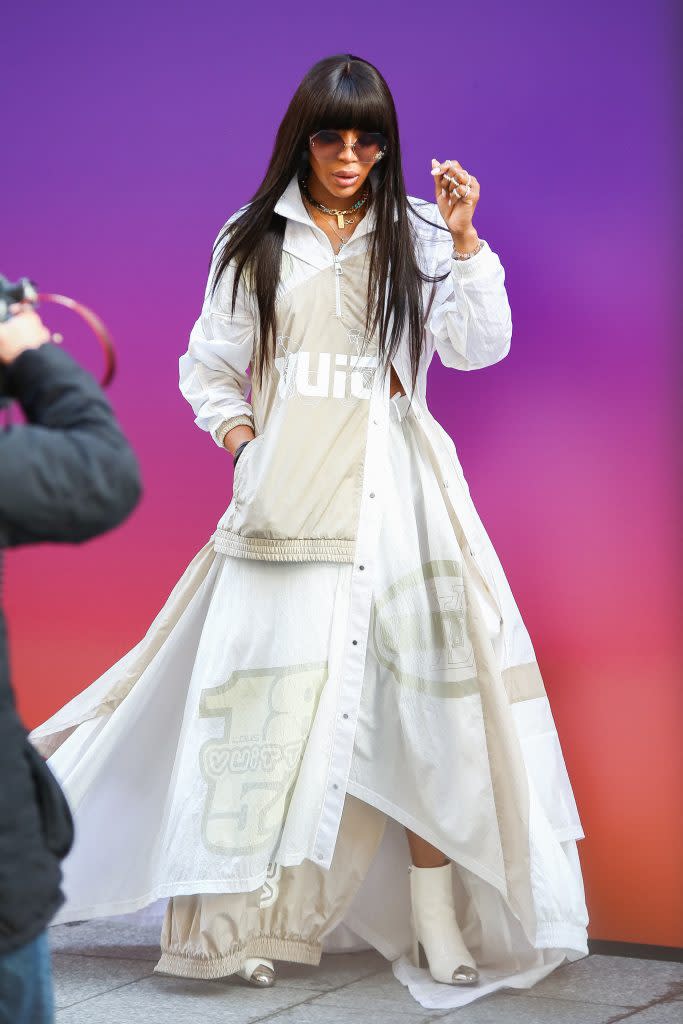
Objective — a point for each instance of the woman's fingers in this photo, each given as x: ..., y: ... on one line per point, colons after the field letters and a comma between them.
x: 438, y: 170
x: 452, y: 181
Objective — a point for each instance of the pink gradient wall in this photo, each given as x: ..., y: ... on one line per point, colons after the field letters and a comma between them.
x: 146, y: 130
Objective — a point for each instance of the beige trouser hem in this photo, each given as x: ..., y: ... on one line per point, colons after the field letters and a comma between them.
x: 211, y: 935
x: 271, y: 946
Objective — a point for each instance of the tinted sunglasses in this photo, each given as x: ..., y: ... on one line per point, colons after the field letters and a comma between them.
x: 329, y: 145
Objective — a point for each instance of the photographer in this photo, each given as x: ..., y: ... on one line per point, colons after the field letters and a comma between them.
x: 66, y: 475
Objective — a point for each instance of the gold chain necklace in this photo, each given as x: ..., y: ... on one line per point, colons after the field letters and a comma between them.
x: 343, y: 241
x: 339, y: 214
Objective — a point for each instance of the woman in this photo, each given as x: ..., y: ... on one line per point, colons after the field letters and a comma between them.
x: 335, y: 733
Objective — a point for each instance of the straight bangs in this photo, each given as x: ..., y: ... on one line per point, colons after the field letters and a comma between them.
x: 344, y: 107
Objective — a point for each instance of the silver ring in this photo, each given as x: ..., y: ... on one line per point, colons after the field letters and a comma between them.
x: 454, y: 190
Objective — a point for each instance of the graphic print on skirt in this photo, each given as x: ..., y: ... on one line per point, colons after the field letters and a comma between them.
x: 251, y: 770
x: 431, y: 652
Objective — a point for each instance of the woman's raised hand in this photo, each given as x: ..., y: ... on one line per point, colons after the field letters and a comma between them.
x: 457, y: 195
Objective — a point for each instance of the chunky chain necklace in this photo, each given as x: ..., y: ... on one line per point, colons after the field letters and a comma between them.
x: 341, y: 215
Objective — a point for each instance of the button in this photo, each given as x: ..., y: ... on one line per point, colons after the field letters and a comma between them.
x: 375, y: 421
x: 361, y: 566
x: 319, y: 856
x: 354, y: 641
x: 345, y: 715
x: 372, y: 494
x: 335, y: 786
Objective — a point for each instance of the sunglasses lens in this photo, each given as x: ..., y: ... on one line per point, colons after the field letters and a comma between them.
x: 329, y: 145
x: 369, y: 145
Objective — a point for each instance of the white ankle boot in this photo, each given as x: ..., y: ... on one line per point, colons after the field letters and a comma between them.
x: 258, y: 971
x: 435, y: 928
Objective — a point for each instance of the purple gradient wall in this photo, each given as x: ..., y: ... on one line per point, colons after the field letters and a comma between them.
x: 137, y: 130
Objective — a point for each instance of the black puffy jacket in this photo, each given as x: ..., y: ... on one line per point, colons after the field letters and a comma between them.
x: 66, y: 475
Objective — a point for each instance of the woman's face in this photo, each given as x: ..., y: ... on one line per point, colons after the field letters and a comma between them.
x: 343, y: 176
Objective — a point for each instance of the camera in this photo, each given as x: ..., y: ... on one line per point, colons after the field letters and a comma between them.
x: 24, y: 290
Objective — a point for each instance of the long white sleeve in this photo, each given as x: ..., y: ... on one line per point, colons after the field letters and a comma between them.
x: 213, y: 375
x: 470, y: 322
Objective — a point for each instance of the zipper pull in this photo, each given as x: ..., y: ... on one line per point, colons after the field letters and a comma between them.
x: 337, y: 285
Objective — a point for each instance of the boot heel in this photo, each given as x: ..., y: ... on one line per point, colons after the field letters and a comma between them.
x: 419, y: 956
x: 416, y: 945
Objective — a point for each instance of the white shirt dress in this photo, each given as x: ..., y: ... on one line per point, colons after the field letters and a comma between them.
x: 242, y: 775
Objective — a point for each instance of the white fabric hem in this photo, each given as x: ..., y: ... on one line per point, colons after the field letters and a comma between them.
x: 436, y: 995
x: 422, y: 829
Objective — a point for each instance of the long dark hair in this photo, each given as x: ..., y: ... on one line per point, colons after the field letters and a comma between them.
x: 339, y: 91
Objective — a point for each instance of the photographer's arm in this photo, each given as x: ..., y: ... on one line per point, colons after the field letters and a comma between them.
x: 69, y: 474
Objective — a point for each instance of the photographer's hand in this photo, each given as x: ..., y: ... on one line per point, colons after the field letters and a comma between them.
x: 23, y: 330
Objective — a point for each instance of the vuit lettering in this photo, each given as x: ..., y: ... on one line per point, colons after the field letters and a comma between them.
x: 325, y: 374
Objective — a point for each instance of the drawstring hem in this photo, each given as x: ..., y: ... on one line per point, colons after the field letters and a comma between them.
x: 274, y: 947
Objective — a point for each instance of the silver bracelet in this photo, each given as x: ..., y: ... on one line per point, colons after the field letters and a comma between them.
x: 467, y: 255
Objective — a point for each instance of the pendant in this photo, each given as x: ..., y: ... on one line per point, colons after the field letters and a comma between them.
x: 340, y: 220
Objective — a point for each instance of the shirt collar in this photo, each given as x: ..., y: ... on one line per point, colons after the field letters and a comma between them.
x: 291, y: 205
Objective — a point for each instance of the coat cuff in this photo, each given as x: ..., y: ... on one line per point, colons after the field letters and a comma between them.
x: 477, y: 265
x: 235, y: 421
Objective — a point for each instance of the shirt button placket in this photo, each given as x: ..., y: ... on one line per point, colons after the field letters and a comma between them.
x: 335, y: 786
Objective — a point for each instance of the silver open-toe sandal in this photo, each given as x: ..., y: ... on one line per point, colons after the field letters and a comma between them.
x: 258, y: 971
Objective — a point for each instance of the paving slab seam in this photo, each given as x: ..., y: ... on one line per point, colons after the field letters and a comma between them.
x: 105, y: 992
x: 317, y: 995
x: 104, y: 956
x: 639, y: 1009
x: 572, y: 999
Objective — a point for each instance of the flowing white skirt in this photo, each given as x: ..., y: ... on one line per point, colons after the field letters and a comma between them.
x: 231, y: 688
